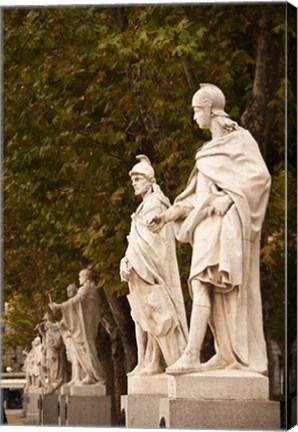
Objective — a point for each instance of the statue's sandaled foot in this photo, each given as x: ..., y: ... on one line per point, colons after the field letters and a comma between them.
x: 216, y: 362
x: 236, y: 365
x: 189, y: 362
x: 151, y: 369
x: 88, y: 380
x: 139, y: 367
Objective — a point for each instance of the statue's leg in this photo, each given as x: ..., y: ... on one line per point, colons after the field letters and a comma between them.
x: 154, y: 367
x: 200, y: 315
x: 223, y: 332
x: 141, y: 339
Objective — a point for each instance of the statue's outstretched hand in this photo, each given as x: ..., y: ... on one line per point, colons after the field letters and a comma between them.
x: 220, y: 205
x: 125, y: 270
x: 156, y: 224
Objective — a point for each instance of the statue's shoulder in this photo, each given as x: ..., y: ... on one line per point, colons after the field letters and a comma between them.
x: 156, y: 200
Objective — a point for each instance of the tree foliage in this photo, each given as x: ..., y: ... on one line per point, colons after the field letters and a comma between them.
x: 85, y: 91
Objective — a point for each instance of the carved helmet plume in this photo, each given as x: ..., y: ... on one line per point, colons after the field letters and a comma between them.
x: 143, y: 167
x: 210, y: 95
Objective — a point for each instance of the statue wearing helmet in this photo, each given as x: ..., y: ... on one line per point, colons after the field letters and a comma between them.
x: 151, y: 270
x: 220, y: 213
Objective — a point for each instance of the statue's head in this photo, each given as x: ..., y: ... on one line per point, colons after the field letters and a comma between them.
x: 71, y: 290
x: 142, y: 175
x: 84, y: 276
x: 36, y: 341
x: 208, y: 102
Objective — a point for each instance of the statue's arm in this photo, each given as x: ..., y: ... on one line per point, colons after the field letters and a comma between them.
x: 176, y: 211
x: 220, y: 205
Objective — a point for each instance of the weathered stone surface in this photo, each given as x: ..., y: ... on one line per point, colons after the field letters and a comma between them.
x: 88, y: 390
x: 220, y: 414
x: 49, y: 409
x: 88, y: 411
x: 219, y: 384
x: 141, y: 411
x: 152, y: 385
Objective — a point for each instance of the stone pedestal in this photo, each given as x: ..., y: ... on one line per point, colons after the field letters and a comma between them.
x: 62, y: 410
x: 141, y: 404
x: 49, y: 409
x: 222, y: 399
x: 87, y: 411
x: 85, y: 405
x: 33, y: 406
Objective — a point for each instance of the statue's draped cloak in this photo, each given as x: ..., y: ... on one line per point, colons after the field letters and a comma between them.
x: 232, y: 165
x: 81, y: 318
x: 155, y: 294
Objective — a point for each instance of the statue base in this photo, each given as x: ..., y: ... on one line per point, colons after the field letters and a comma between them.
x: 86, y: 411
x: 220, y: 399
x: 84, y: 405
x: 33, y: 406
x: 49, y: 408
x: 84, y: 390
x: 140, y: 407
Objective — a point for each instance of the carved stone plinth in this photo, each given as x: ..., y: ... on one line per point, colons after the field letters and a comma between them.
x: 49, y: 409
x: 86, y: 411
x: 88, y: 390
x: 219, y: 384
x: 220, y: 414
x: 33, y: 406
x: 141, y: 404
x: 222, y: 399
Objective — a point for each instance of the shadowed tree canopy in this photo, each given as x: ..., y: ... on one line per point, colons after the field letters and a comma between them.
x: 85, y: 91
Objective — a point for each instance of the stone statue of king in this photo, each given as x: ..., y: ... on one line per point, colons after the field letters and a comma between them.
x: 151, y: 270
x: 220, y: 213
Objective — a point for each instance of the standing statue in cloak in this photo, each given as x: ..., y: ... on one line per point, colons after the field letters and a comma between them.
x: 81, y: 317
x: 151, y: 270
x: 220, y: 213
x: 77, y: 373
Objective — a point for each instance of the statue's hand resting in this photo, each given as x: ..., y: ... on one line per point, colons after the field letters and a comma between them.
x: 156, y: 224
x: 220, y: 205
x: 125, y: 270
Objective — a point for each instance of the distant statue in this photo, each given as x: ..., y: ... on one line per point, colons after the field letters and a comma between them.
x: 56, y: 362
x: 81, y: 317
x: 220, y: 213
x: 34, y: 365
x: 77, y: 372
x: 151, y: 270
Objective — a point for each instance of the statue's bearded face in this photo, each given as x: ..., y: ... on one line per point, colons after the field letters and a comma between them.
x: 140, y: 183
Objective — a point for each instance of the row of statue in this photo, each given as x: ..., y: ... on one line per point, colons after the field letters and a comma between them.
x: 65, y: 352
x: 220, y: 213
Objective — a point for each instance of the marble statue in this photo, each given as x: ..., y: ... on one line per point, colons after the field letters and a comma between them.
x: 81, y: 317
x: 34, y: 365
x: 56, y: 362
x: 151, y: 270
x: 77, y: 372
x: 220, y: 213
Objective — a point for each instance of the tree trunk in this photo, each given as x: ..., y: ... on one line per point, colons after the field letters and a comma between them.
x: 116, y: 350
x: 258, y: 119
x: 121, y: 313
x: 258, y: 116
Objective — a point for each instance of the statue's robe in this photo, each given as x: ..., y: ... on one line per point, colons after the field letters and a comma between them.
x: 81, y: 318
x: 226, y: 249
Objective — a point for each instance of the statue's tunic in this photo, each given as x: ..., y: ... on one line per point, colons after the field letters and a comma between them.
x: 155, y: 292
x: 81, y: 318
x: 226, y: 248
